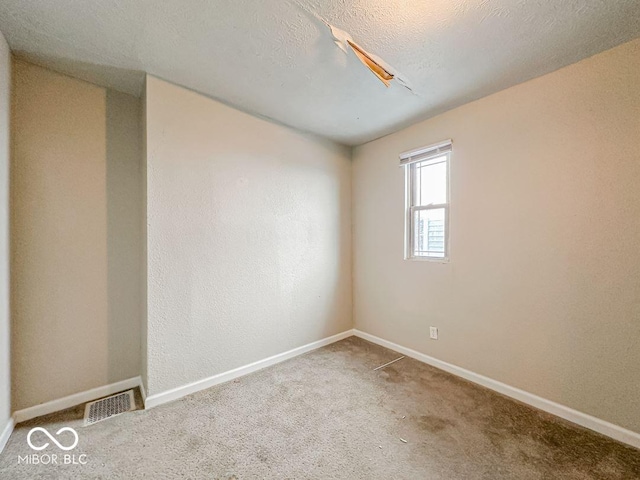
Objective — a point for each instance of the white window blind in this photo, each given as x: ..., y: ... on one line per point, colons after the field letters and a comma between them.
x: 425, y: 153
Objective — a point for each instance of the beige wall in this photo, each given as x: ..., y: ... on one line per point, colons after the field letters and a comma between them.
x: 5, y: 370
x: 75, y: 236
x: 143, y: 242
x: 543, y: 288
x: 124, y: 235
x: 248, y: 237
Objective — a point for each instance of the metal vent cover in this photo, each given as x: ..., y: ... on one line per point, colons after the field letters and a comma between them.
x: 108, y: 407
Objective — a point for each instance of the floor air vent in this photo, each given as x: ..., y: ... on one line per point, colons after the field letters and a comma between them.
x: 108, y: 407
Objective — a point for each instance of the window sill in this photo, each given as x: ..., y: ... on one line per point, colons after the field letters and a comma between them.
x: 429, y: 259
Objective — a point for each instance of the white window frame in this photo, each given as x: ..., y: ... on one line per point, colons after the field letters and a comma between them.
x: 409, y: 161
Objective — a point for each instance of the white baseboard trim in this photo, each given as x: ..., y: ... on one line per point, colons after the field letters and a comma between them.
x: 46, y: 408
x: 6, y: 433
x: 179, y: 392
x: 584, y: 420
x: 143, y: 394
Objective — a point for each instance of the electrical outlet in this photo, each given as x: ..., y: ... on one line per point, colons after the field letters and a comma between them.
x: 433, y: 333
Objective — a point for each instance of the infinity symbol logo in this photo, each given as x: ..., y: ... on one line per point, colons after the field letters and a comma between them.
x: 60, y: 446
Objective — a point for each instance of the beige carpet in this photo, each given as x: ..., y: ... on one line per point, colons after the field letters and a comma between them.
x: 328, y: 415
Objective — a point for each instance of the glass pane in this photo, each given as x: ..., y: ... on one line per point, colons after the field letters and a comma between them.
x: 428, y: 233
x: 431, y: 182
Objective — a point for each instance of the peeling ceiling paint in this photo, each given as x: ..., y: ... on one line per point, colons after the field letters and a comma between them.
x: 274, y: 59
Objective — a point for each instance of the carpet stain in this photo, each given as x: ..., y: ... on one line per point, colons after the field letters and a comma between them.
x: 391, y: 374
x: 434, y: 424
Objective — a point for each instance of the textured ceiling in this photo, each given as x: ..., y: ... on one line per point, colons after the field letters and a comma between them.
x: 274, y: 58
